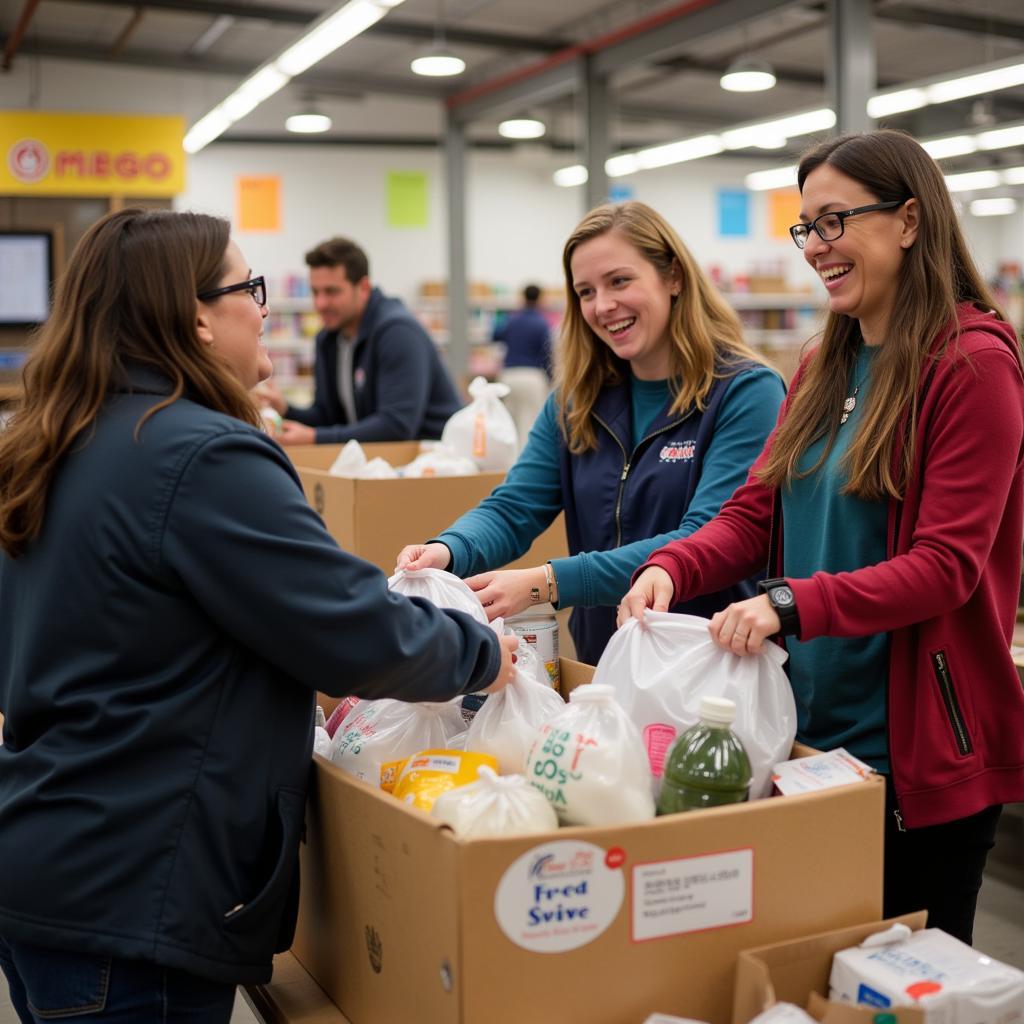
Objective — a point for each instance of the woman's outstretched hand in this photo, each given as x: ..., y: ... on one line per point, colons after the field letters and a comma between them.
x: 653, y: 589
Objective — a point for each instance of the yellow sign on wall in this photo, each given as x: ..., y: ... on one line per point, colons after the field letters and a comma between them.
x: 60, y: 154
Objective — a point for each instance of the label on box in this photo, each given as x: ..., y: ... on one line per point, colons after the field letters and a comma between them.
x: 559, y: 896
x: 672, y: 897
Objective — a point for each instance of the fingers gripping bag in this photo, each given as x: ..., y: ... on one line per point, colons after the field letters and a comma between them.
x: 590, y: 763
x: 484, y: 430
x: 507, y: 723
x: 375, y: 740
x: 660, y: 669
x: 495, y: 805
x: 442, y: 588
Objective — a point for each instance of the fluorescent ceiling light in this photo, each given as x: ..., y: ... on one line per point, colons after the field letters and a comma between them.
x: 777, y: 177
x: 954, y: 145
x: 569, y: 177
x: 309, y: 123
x: 1005, y: 77
x: 885, y: 103
x: 622, y: 164
x: 995, y: 207
x: 521, y: 128
x: 678, y: 152
x: 972, y: 180
x: 1013, y: 176
x: 326, y: 35
x: 1001, y: 138
x: 439, y: 64
x: 747, y: 76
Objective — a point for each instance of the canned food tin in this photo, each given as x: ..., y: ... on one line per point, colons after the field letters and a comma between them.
x: 542, y: 635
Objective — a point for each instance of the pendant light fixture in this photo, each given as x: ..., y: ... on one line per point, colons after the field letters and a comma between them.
x: 745, y: 74
x: 522, y: 128
x: 308, y: 121
x: 438, y: 61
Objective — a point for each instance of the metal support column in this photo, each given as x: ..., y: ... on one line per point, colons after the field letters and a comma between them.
x: 852, y: 75
x: 594, y: 92
x: 458, y: 308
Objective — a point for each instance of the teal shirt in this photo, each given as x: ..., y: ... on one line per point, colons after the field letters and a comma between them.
x: 839, y: 682
x: 648, y: 398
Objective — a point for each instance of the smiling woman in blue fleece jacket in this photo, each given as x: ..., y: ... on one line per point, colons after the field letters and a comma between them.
x: 659, y: 410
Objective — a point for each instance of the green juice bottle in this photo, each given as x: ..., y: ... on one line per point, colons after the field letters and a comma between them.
x: 707, y: 766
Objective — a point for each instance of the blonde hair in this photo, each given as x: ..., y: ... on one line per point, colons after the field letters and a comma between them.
x: 128, y: 297
x: 706, y: 336
x: 935, y: 275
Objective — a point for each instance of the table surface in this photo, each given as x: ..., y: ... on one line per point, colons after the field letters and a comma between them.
x: 292, y: 997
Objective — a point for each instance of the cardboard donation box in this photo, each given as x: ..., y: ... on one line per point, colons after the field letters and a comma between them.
x: 402, y: 921
x: 798, y: 971
x: 375, y: 519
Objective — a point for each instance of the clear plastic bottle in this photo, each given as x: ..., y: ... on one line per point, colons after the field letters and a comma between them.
x: 707, y: 766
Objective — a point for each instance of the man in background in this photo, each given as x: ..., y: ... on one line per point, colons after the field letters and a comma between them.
x: 527, y: 371
x: 378, y: 375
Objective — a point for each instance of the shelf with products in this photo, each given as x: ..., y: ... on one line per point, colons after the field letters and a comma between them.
x: 291, y: 326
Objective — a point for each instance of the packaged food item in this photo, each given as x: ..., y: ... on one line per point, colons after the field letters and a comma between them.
x: 272, y: 422
x: 541, y: 633
x: 339, y: 714
x: 661, y: 668
x: 951, y: 982
x: 707, y: 766
x: 590, y: 763
x: 506, y: 723
x: 819, y: 771
x: 430, y: 773
x: 495, y: 805
x: 377, y: 738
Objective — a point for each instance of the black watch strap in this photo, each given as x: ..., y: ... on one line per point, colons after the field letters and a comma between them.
x: 780, y: 594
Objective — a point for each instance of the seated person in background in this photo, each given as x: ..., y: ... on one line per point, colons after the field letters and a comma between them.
x: 527, y: 372
x: 378, y: 375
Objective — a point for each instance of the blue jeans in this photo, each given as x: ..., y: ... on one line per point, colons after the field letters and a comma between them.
x: 53, y: 984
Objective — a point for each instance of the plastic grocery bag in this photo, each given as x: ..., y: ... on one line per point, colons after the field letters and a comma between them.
x: 352, y: 462
x: 495, y: 805
x: 374, y: 742
x: 484, y: 430
x: 661, y: 668
x: 442, y: 588
x: 439, y: 461
x: 507, y: 723
x: 590, y: 762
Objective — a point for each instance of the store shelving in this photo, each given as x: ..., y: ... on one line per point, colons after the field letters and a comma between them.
x: 292, y: 325
x: 778, y: 324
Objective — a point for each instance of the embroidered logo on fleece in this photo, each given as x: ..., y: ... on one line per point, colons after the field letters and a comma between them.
x: 678, y: 451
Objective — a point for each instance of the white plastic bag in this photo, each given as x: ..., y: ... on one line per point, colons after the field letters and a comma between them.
x: 507, y: 724
x: 439, y: 461
x: 495, y: 805
x: 484, y: 430
x: 661, y: 668
x: 352, y: 462
x: 379, y: 735
x: 590, y: 762
x: 442, y: 588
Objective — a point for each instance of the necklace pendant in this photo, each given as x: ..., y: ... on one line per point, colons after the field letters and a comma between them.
x: 843, y: 418
x: 850, y: 404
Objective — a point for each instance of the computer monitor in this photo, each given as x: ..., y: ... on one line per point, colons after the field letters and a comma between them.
x: 26, y: 276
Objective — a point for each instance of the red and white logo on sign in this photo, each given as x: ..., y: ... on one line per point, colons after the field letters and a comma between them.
x: 28, y: 160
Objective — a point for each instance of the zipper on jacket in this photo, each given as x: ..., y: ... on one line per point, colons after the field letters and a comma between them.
x: 942, y: 674
x: 899, y: 819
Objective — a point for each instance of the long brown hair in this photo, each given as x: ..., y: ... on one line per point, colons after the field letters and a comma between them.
x: 128, y: 297
x: 935, y: 275
x: 705, y: 333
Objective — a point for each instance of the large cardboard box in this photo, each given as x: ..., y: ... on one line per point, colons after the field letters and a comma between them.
x: 401, y: 921
x: 798, y: 972
x: 375, y: 519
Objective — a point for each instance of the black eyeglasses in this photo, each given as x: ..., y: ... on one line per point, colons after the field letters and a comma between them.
x: 255, y: 286
x: 830, y: 226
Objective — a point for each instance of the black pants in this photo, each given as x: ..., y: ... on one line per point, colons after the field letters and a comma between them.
x: 938, y: 868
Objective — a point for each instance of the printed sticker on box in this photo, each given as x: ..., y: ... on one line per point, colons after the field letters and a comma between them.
x: 673, y: 897
x: 559, y: 896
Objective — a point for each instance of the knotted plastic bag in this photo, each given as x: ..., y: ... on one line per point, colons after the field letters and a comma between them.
x: 590, y: 763
x: 484, y: 430
x: 374, y: 742
x: 507, y: 723
x: 439, y: 587
x: 660, y: 669
x: 495, y: 805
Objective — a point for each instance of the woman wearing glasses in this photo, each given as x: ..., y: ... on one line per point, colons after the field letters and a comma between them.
x: 169, y: 603
x: 888, y: 505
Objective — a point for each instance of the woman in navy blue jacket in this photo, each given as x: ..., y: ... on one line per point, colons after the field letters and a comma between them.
x: 658, y: 412
x: 169, y: 603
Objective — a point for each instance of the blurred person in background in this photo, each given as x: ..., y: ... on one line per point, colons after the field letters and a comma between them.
x: 527, y: 368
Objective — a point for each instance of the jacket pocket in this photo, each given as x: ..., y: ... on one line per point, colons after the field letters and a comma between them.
x: 261, y: 913
x: 947, y: 690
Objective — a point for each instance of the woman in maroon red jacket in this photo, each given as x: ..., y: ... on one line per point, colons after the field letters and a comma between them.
x: 888, y: 505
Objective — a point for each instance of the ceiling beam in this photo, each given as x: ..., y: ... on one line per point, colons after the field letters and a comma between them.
x: 12, y: 41
x: 972, y: 24
x: 387, y: 28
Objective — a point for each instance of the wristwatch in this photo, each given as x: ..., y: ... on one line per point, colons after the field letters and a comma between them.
x: 782, y: 600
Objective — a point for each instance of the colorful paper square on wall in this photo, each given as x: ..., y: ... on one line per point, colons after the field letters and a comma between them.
x: 258, y: 202
x: 733, y: 213
x: 407, y: 199
x: 783, y: 211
